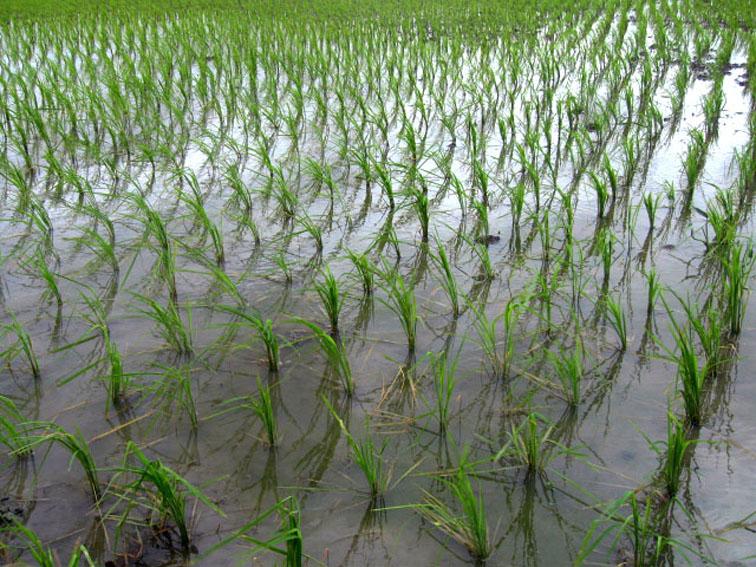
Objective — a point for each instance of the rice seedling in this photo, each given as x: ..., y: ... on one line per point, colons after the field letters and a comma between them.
x: 365, y: 271
x: 13, y: 429
x: 172, y: 328
x: 401, y: 300
x: 530, y: 444
x: 469, y: 526
x: 447, y: 280
x: 366, y: 455
x: 693, y: 162
x: 569, y: 371
x: 335, y: 353
x: 22, y: 345
x: 675, y: 454
x: 737, y: 265
x: 79, y: 449
x: 647, y: 544
x: 488, y: 335
x: 691, y: 374
x: 444, y: 384
x: 263, y: 408
x: 167, y: 492
x: 331, y: 298
x: 618, y: 320
x: 264, y: 329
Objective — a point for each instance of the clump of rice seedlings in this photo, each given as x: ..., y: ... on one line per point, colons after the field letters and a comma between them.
x: 23, y: 345
x: 172, y: 327
x: 488, y: 335
x: 315, y: 232
x: 693, y: 162
x: 366, y: 455
x: 167, y: 492
x: 365, y: 271
x: 401, y: 300
x: 737, y: 266
x: 263, y: 408
x: 335, y: 353
x: 40, y: 263
x: 173, y: 387
x: 618, y: 320
x: 447, y: 280
x: 331, y: 298
x: 568, y: 367
x: 264, y: 329
x: 285, y: 196
x: 721, y: 214
x: 654, y: 291
x: 444, y: 383
x: 690, y: 373
x: 421, y: 206
x: 530, y: 444
x: 79, y: 449
x: 13, y: 429
x: 602, y: 193
x: 154, y: 225
x: 42, y: 555
x: 648, y: 545
x: 196, y: 204
x: 674, y: 455
x: 469, y: 525
x: 651, y: 204
x: 383, y: 175
x: 283, y: 265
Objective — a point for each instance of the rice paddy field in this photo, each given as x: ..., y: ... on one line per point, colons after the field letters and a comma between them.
x: 330, y: 282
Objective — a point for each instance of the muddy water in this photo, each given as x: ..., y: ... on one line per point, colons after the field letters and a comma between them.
x: 533, y: 521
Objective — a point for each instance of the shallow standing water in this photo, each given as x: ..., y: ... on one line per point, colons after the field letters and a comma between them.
x: 600, y: 447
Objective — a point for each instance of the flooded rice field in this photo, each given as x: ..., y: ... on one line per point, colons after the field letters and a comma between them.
x: 379, y: 291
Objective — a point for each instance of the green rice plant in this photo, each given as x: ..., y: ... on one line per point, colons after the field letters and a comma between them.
x: 402, y: 301
x: 13, y: 429
x: 79, y: 449
x: 447, y: 280
x: 383, y: 175
x: 488, y: 335
x: 264, y: 329
x: 335, y: 353
x: 366, y: 455
x: 40, y: 263
x: 421, y: 206
x: 651, y: 204
x: 654, y: 291
x: 289, y: 534
x: 168, y: 493
x: 365, y: 271
x: 42, y: 555
x: 530, y: 445
x: 283, y: 265
x: 444, y: 383
x: 331, y: 298
x: 196, y: 205
x: 648, y: 545
x: 722, y: 217
x: 172, y: 327
x: 737, y: 267
x: 172, y: 387
x: 285, y: 196
x: 674, y: 455
x: 517, y: 201
x: 22, y: 345
x: 469, y: 526
x: 691, y: 374
x: 315, y: 232
x: 263, y: 408
x: 569, y: 370
x: 602, y: 193
x: 618, y: 320
x: 693, y: 162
